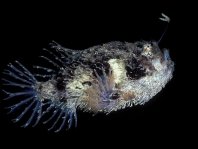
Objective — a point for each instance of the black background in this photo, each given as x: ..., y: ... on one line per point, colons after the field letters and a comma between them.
x: 166, y: 119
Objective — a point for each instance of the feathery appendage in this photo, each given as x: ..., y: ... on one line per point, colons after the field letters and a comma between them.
x: 23, y: 86
x: 24, y: 92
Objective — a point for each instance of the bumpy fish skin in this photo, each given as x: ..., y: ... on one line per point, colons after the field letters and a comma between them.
x: 116, y: 75
x: 102, y: 78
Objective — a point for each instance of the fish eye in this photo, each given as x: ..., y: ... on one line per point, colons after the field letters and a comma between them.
x: 147, y: 50
x: 147, y: 47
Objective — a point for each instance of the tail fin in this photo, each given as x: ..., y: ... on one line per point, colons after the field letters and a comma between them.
x: 21, y: 87
x: 20, y: 83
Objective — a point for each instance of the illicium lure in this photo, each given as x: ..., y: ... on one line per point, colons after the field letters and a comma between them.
x: 102, y: 78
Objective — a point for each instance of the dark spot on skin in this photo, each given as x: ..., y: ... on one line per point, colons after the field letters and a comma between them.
x: 77, y: 87
x: 60, y: 86
x: 134, y: 69
x: 139, y: 45
x: 60, y: 83
x: 115, y: 96
x: 40, y: 87
x: 87, y: 83
x: 135, y: 73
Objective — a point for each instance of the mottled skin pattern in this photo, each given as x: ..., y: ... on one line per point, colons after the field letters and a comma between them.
x: 102, y: 78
